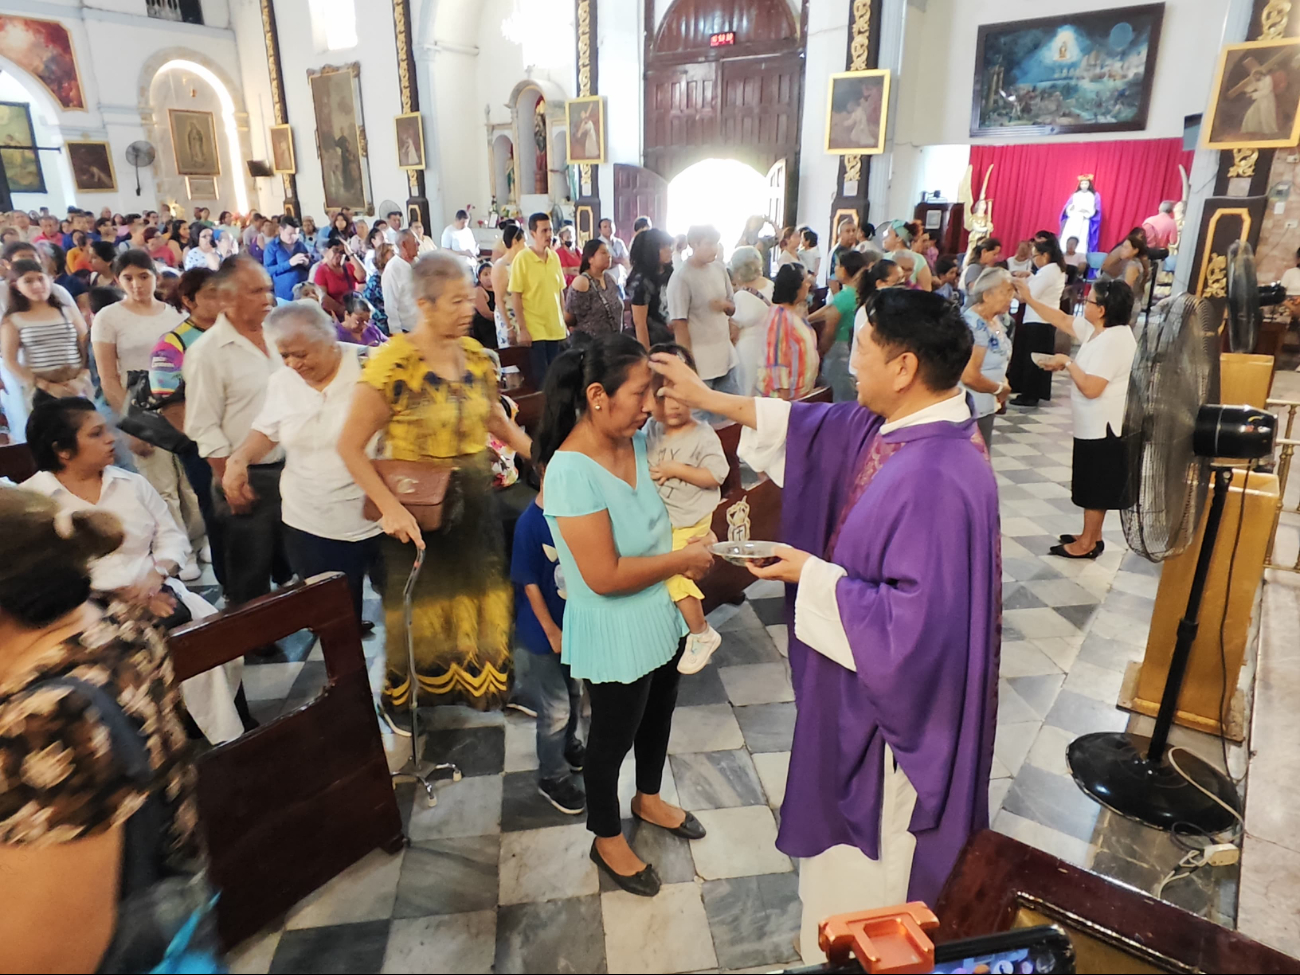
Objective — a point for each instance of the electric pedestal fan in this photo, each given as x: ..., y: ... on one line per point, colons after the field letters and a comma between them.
x: 1173, y: 431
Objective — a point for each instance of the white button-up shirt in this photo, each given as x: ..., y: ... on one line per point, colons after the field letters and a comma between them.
x: 225, y: 386
x: 317, y: 494
x: 398, y: 284
x: 149, y: 533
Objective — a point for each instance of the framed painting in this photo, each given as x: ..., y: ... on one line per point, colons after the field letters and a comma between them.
x: 92, y: 166
x: 857, y: 112
x: 201, y: 188
x: 410, y: 141
x: 43, y: 48
x: 194, y: 143
x: 18, y: 149
x: 1084, y: 72
x: 585, y: 118
x: 282, y: 157
x: 341, y: 136
x: 1255, y: 101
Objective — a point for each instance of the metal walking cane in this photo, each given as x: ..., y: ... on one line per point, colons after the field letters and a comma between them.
x: 412, y: 768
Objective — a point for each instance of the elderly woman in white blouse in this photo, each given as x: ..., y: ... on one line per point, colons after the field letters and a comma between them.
x: 73, y: 447
x: 305, y: 408
x: 753, y: 306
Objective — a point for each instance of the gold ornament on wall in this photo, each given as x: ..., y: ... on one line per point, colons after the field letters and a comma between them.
x: 859, y: 50
x: 1216, y: 277
x: 1243, y: 162
x: 1274, y: 18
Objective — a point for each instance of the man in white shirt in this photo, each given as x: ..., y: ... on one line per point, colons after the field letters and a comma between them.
x: 226, y: 373
x: 700, y: 303
x: 619, y: 260
x: 1291, y: 279
x: 1076, y: 257
x: 394, y: 221
x: 399, y: 290
x: 459, y: 239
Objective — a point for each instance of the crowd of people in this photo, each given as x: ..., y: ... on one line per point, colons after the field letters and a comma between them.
x: 238, y: 392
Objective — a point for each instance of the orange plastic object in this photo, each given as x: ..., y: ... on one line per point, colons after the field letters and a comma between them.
x: 887, y: 939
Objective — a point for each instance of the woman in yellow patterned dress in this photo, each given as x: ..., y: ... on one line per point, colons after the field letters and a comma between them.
x: 432, y: 394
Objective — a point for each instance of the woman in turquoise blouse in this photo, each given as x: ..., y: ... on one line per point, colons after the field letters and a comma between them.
x: 622, y: 633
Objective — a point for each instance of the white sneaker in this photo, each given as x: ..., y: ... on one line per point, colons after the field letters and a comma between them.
x: 205, y: 553
x: 699, y: 648
x: 191, y: 572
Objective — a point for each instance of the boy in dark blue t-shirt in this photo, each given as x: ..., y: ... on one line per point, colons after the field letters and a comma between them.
x: 539, y: 616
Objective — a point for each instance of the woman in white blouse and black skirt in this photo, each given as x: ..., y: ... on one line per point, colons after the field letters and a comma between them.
x: 1035, y: 333
x: 1098, y: 395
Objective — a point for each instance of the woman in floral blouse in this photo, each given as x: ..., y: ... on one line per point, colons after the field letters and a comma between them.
x: 64, y: 795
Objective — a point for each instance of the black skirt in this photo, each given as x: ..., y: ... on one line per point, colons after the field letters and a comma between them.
x: 1100, y: 480
x: 1022, y: 375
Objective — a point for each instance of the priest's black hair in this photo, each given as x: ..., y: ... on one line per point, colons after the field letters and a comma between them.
x: 926, y: 325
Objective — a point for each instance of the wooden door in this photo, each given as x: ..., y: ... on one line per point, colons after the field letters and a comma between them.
x: 759, y: 108
x: 681, y: 117
x: 776, y: 194
x: 638, y: 192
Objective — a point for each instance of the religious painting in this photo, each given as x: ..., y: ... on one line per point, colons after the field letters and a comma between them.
x: 1084, y: 72
x: 410, y: 141
x: 201, y: 187
x: 282, y: 158
x: 857, y: 112
x: 43, y: 48
x: 1255, y: 101
x: 18, y: 149
x: 194, y: 143
x: 92, y: 166
x: 586, y: 130
x: 340, y: 135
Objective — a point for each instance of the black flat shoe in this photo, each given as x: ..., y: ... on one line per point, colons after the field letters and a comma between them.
x: 1059, y: 550
x: 1069, y: 539
x: 1024, y: 401
x: 643, y: 884
x: 690, y: 829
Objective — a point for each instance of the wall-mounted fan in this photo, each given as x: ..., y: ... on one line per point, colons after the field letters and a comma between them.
x: 1173, y: 432
x: 139, y: 154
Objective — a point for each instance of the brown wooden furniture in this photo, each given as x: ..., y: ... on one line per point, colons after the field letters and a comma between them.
x: 517, y: 355
x: 16, y: 462
x: 296, y: 801
x: 1000, y: 884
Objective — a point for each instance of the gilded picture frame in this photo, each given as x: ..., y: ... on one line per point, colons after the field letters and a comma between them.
x: 194, y: 142
x: 92, y: 166
x: 584, y: 140
x: 341, y: 136
x: 283, y: 159
x: 857, y: 112
x: 1256, y: 93
x: 202, y: 188
x: 409, y: 129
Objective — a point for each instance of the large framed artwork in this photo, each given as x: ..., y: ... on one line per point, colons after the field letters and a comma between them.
x: 857, y: 112
x: 1255, y: 101
x: 1084, y: 72
x: 410, y: 140
x: 282, y: 158
x: 44, y: 49
x: 201, y: 188
x: 585, y: 119
x: 92, y: 166
x: 18, y: 149
x: 341, y: 136
x: 194, y: 143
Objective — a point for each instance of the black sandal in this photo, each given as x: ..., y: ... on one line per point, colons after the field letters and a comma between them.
x: 690, y: 829
x: 1068, y: 539
x: 1059, y: 550
x: 644, y: 883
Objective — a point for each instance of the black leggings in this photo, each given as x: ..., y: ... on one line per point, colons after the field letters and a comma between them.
x: 624, y: 716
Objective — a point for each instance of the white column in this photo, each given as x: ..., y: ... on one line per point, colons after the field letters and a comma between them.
x: 893, y: 20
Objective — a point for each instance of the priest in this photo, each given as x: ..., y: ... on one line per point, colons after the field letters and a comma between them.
x: 893, y: 569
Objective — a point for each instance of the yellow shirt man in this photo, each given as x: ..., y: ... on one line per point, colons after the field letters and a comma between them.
x: 540, y: 284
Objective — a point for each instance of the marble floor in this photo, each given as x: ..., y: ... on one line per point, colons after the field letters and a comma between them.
x: 495, y: 879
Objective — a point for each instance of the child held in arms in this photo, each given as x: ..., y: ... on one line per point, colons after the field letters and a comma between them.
x: 688, y: 465
x: 539, y: 622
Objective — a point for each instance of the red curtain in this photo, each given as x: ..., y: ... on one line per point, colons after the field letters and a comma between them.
x: 1030, y: 184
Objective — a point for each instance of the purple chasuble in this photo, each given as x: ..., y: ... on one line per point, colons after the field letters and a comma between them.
x: 922, y: 608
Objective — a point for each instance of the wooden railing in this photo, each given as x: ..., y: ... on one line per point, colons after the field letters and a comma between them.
x: 1286, y: 452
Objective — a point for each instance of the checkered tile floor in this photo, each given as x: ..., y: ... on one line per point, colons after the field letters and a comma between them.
x: 496, y: 880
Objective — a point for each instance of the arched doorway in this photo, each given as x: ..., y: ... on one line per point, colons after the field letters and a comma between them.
x: 37, y: 177
x: 721, y: 192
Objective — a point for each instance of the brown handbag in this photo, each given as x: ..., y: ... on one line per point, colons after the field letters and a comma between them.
x: 421, y: 488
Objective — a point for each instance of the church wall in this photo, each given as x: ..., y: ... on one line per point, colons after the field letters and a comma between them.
x: 266, y: 194
x: 621, y: 57
x: 828, y: 39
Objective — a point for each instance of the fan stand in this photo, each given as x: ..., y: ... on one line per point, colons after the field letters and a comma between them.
x: 1129, y: 773
x: 414, y: 767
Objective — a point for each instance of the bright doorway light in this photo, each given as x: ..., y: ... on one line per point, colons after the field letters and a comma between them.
x: 722, y: 192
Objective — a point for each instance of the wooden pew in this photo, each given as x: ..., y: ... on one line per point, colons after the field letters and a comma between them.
x: 16, y: 462
x: 518, y: 356
x: 293, y: 803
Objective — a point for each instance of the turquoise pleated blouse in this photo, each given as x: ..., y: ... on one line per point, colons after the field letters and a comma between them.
x: 613, y: 638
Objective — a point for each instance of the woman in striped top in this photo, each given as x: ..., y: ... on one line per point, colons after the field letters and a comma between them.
x: 791, y: 361
x: 43, y: 341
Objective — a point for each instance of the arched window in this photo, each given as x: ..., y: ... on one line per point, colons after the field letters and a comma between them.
x: 333, y: 24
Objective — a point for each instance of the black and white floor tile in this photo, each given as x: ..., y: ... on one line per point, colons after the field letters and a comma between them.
x: 495, y: 879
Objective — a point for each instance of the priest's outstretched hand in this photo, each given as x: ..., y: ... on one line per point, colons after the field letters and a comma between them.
x: 680, y: 381
x: 787, y: 568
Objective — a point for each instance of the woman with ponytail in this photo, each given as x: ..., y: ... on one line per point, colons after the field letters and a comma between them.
x: 622, y: 632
